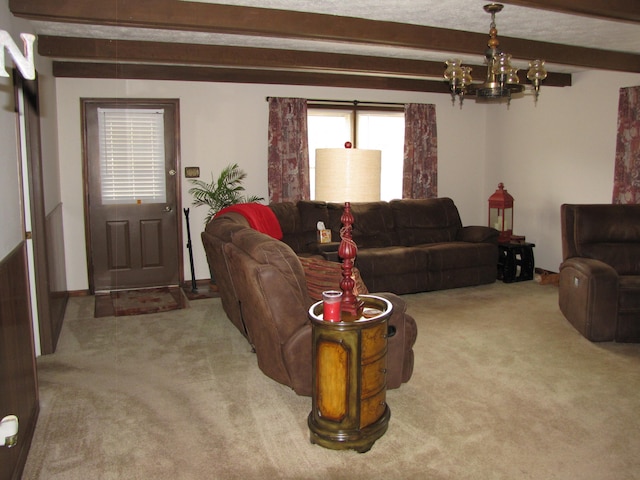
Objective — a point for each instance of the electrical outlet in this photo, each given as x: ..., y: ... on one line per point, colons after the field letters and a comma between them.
x: 9, y: 431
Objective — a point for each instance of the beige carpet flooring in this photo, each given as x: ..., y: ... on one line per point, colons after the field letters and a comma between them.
x: 503, y: 388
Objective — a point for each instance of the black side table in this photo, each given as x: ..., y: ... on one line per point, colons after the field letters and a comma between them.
x: 329, y: 251
x: 515, y: 262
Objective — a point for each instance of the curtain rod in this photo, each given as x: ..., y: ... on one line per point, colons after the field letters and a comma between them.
x: 355, y: 103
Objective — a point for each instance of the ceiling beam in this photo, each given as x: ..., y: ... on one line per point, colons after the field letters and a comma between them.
x: 236, y: 75
x: 130, y: 51
x: 619, y: 10
x: 215, y: 18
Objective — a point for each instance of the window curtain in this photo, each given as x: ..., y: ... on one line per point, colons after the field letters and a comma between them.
x: 288, y: 162
x: 420, y: 170
x: 626, y: 178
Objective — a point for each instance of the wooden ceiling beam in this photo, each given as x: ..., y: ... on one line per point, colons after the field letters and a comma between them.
x: 236, y: 75
x: 129, y: 51
x: 245, y: 75
x: 216, y: 18
x: 618, y: 10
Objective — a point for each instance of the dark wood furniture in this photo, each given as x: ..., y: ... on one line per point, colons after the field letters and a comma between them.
x: 349, y: 409
x: 330, y: 251
x: 515, y: 261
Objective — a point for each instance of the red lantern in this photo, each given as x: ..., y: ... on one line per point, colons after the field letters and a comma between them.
x: 501, y: 213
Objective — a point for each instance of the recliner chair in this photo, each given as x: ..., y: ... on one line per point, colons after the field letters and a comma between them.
x: 600, y: 273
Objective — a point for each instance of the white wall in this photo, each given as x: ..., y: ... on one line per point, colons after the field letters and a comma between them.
x: 223, y: 123
x: 10, y: 214
x: 560, y: 151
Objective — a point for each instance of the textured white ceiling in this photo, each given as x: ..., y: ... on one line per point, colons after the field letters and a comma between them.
x: 467, y: 15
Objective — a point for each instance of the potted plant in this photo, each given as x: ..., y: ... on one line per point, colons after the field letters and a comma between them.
x: 226, y: 190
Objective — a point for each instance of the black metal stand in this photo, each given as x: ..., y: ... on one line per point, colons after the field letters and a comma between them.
x: 194, y: 286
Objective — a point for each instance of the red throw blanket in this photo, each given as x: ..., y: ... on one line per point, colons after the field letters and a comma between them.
x: 260, y: 217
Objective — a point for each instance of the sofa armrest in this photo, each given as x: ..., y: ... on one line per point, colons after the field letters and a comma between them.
x: 478, y: 234
x: 588, y: 297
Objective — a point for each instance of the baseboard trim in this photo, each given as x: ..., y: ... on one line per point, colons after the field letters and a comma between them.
x: 204, y: 284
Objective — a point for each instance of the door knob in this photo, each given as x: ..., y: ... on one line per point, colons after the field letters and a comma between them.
x: 168, y: 208
x: 172, y: 172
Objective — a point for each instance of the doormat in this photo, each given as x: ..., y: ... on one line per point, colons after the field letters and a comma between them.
x: 138, y: 302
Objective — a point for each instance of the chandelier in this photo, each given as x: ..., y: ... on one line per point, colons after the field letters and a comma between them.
x: 502, y: 79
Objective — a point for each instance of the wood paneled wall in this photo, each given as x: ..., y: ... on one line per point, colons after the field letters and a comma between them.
x: 18, y: 379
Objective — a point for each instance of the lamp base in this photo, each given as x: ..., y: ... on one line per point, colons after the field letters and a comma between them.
x: 351, y: 306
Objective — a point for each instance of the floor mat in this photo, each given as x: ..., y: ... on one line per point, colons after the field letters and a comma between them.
x: 138, y: 302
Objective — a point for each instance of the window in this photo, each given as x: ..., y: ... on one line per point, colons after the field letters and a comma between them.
x: 379, y: 130
x: 132, y: 166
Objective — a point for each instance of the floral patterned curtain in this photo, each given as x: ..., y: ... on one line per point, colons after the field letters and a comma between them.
x: 626, y: 178
x: 288, y: 162
x: 420, y: 171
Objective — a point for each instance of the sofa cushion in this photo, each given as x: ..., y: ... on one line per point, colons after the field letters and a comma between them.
x: 629, y: 293
x: 322, y: 275
x: 312, y: 212
x: 454, y: 255
x: 391, y: 260
x: 299, y: 221
x: 373, y: 224
x: 267, y: 251
x: 624, y: 258
x: 430, y: 220
x: 288, y: 217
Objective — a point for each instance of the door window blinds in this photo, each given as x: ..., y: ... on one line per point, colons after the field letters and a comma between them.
x: 132, y: 155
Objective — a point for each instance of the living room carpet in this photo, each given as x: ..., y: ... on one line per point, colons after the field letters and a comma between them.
x: 123, y: 303
x: 503, y: 388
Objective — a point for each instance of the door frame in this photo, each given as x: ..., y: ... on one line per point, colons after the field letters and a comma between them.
x: 133, y: 103
x: 48, y: 313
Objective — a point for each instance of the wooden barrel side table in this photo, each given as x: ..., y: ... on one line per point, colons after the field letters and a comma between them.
x: 349, y: 408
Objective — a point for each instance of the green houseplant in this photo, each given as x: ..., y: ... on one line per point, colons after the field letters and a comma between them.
x: 226, y: 190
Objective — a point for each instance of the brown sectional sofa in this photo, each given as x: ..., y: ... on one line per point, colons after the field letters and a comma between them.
x: 600, y: 274
x: 263, y: 291
x: 404, y: 246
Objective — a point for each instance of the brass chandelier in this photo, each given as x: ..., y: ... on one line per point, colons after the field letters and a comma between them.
x: 502, y: 79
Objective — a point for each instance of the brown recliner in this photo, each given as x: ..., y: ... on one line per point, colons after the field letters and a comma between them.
x: 263, y: 290
x: 600, y: 273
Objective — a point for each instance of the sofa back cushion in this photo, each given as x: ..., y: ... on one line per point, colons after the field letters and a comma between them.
x: 299, y: 221
x: 222, y: 227
x: 268, y: 251
x: 606, y: 232
x: 373, y: 224
x: 422, y: 221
